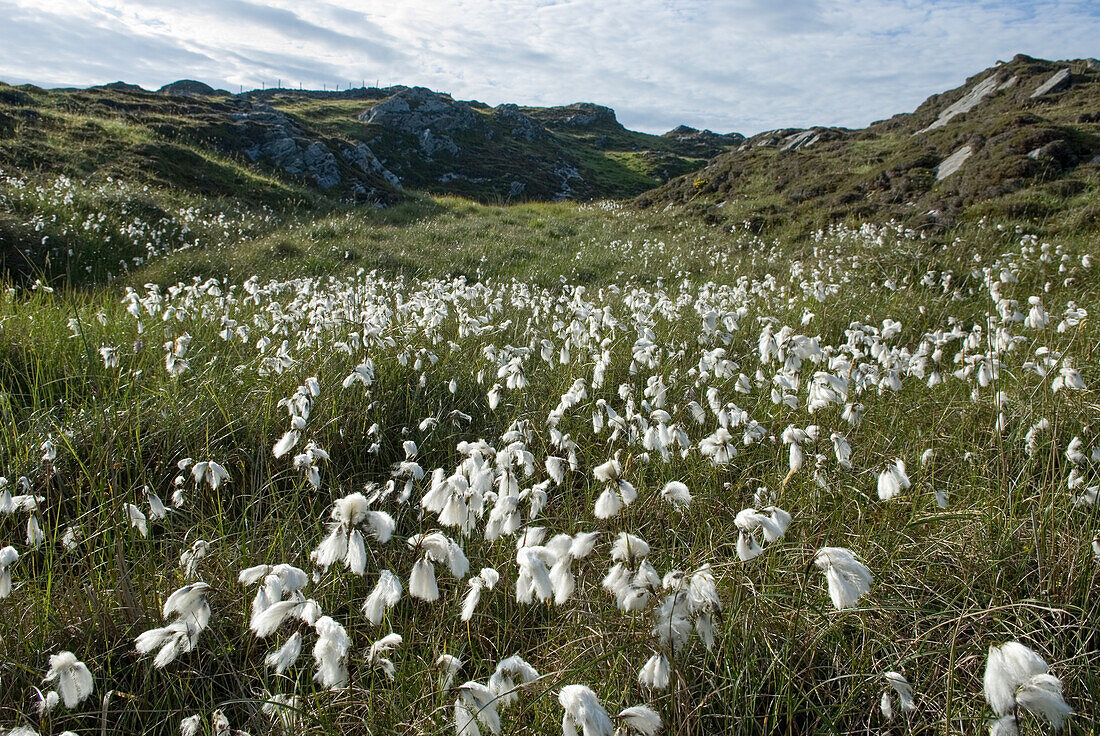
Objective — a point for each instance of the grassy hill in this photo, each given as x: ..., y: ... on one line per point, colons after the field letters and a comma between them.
x: 1025, y: 153
x: 268, y: 145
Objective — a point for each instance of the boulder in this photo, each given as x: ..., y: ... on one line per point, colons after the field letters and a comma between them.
x: 805, y: 139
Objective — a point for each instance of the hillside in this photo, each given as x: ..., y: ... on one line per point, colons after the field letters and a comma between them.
x: 1019, y: 140
x: 366, y: 144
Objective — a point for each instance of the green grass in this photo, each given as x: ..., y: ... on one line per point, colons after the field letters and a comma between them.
x: 1009, y: 557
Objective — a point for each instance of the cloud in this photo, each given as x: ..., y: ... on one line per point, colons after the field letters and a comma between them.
x: 744, y: 65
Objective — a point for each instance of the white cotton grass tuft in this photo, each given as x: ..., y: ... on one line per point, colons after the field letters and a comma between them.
x: 772, y: 522
x: 640, y: 719
x: 1016, y: 677
x: 849, y: 579
x: 330, y: 653
x: 893, y: 480
x: 904, y: 690
x: 191, y: 615
x: 511, y: 675
x: 484, y: 580
x: 655, y: 673
x: 617, y: 493
x: 284, y: 657
x: 190, y: 726
x: 450, y: 666
x: 583, y: 712
x: 385, y: 595
x: 381, y: 647
x: 677, y: 494
x: 475, y: 708
x: 8, y: 557
x: 71, y: 678
x: 137, y: 519
x: 345, y: 543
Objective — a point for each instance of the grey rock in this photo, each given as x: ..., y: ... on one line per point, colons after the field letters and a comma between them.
x: 523, y: 125
x: 289, y: 149
x: 953, y: 163
x: 363, y: 157
x: 1092, y: 65
x: 1055, y: 83
x: 586, y: 114
x: 967, y: 102
x: 1009, y: 84
x: 805, y: 139
x: 450, y: 176
x: 565, y: 174
x: 431, y: 144
x: 322, y: 165
x: 417, y: 109
x: 516, y: 188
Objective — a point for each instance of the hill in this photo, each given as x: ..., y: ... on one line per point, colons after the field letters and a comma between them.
x: 1020, y: 140
x: 367, y: 144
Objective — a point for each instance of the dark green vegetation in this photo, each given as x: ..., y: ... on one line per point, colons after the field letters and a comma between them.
x: 1034, y: 159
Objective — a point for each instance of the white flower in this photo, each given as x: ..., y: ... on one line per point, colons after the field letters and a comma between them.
x: 901, y: 686
x: 137, y: 519
x: 8, y: 557
x: 583, y: 711
x: 641, y: 719
x: 385, y: 595
x: 450, y: 665
x: 849, y: 579
x: 285, y: 656
x: 677, y: 494
x: 475, y: 706
x: 655, y: 673
x: 190, y: 726
x: 74, y: 681
x: 330, y: 653
x: 1015, y: 676
x: 893, y: 480
x: 510, y: 676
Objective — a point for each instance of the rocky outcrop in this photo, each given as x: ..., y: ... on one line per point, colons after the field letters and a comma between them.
x: 187, y: 88
x: 364, y: 159
x: 953, y: 163
x: 522, y: 126
x: 967, y: 102
x: 1055, y: 83
x: 418, y: 109
x: 275, y: 137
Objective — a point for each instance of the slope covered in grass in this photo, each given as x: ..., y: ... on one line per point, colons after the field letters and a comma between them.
x: 1027, y: 150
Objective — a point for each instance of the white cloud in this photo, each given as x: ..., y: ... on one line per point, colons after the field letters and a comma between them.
x: 744, y: 65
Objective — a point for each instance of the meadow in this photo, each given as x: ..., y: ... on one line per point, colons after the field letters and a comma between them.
x: 455, y: 468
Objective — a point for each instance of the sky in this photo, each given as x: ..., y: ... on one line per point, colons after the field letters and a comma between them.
x: 727, y: 65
